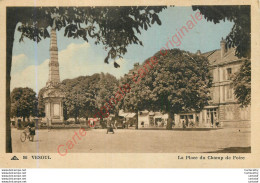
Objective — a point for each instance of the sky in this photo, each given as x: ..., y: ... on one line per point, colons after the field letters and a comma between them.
x: 80, y: 58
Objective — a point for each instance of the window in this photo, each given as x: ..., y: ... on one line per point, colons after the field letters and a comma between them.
x: 211, y: 75
x: 224, y: 74
x: 211, y: 94
x: 223, y: 93
x: 229, y: 92
x: 212, y: 115
x: 229, y: 73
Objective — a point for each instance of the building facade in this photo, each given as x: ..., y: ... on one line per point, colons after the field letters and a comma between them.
x: 223, y: 109
x: 152, y: 119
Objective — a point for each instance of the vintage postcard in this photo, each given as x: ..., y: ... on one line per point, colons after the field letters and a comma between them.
x: 115, y: 84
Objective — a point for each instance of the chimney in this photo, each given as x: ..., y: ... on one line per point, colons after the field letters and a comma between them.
x: 198, y: 52
x: 136, y: 65
x: 222, y: 47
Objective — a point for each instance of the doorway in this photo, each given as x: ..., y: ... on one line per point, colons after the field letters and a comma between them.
x: 212, y: 116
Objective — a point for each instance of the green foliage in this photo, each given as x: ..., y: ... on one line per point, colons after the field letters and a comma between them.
x: 240, y: 34
x: 181, y: 82
x: 114, y: 27
x: 108, y: 85
x: 242, y: 84
x: 178, y: 82
x: 133, y: 101
x: 85, y: 95
x: 23, y: 102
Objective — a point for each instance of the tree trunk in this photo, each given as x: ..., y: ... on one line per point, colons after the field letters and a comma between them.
x: 136, y: 125
x: 169, y: 121
x: 87, y: 120
x: 10, y: 29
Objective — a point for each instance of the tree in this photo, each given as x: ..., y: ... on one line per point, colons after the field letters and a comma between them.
x: 242, y: 84
x: 240, y: 34
x: 24, y: 102
x: 177, y: 81
x: 79, y: 98
x: 108, y: 85
x: 85, y: 95
x: 41, y: 107
x: 138, y: 98
x: 91, y: 88
x: 114, y: 27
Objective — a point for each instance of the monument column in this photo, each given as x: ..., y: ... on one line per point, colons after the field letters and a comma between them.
x: 53, y: 94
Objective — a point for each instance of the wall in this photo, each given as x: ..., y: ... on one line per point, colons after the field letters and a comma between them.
x: 143, y: 118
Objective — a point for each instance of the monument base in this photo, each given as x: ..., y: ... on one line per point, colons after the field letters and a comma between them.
x: 53, y: 106
x: 50, y: 122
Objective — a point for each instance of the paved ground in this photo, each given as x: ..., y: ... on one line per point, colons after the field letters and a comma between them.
x: 137, y: 141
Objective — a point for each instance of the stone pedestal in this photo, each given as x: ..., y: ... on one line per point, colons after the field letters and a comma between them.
x: 53, y: 106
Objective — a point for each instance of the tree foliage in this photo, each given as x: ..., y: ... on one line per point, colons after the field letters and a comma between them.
x: 242, y: 84
x: 85, y: 95
x: 181, y: 81
x: 108, y: 85
x: 41, y: 106
x: 23, y: 103
x: 240, y: 34
x: 136, y: 100
x: 113, y: 27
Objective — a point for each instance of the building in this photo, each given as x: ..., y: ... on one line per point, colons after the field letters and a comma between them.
x: 126, y: 115
x: 152, y: 119
x: 223, y: 109
x: 223, y: 106
x: 146, y: 118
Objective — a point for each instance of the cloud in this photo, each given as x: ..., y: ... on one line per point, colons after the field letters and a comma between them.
x: 76, y: 60
x: 34, y: 76
x: 82, y: 60
x: 19, y: 62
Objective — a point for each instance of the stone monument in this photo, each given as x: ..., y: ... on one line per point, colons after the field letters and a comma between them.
x: 53, y: 94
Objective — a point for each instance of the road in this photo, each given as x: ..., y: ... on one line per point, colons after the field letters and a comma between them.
x: 136, y: 141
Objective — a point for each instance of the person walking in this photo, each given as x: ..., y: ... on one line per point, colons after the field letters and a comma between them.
x: 115, y: 125
x: 110, y: 126
x: 31, y: 127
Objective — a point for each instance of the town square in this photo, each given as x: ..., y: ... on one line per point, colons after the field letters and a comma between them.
x: 156, y: 79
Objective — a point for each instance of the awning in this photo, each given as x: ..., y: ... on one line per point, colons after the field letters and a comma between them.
x: 123, y: 114
x: 130, y: 115
x: 127, y: 115
x: 211, y: 106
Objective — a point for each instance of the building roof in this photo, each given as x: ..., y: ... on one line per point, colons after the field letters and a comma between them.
x: 214, y: 56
